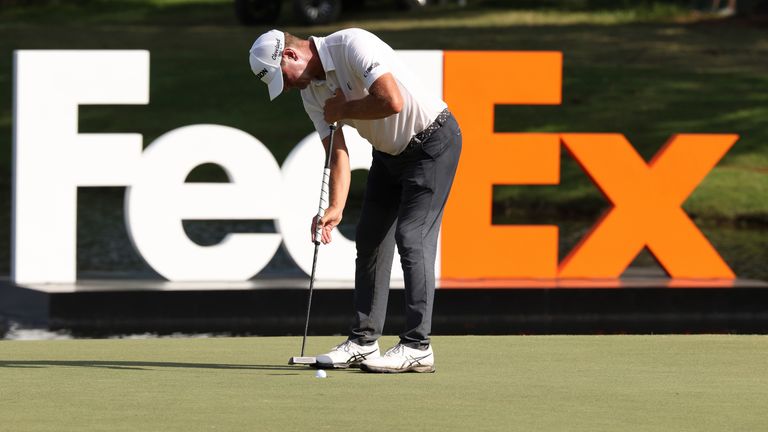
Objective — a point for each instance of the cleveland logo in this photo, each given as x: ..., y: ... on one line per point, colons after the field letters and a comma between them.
x: 370, y: 68
x: 278, y: 50
x: 261, y: 74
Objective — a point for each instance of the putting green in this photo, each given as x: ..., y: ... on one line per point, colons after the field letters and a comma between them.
x: 589, y: 383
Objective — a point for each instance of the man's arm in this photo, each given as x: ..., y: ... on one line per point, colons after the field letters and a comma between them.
x: 339, y: 187
x: 383, y: 100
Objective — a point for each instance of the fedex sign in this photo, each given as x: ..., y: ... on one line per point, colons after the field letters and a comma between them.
x: 51, y: 160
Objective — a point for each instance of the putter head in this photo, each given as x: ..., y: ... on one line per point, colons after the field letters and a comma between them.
x: 309, y: 361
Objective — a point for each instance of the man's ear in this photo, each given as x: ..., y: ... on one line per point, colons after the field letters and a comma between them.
x: 291, y: 54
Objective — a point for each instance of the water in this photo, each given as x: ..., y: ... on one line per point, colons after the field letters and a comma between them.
x: 103, y: 243
x: 104, y: 247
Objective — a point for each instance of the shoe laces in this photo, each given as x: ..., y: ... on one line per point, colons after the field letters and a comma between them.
x: 344, y: 346
x: 396, y: 350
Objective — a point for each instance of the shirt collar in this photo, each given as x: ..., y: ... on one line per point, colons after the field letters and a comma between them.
x: 324, y: 54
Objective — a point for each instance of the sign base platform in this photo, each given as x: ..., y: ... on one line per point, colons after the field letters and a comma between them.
x: 276, y: 306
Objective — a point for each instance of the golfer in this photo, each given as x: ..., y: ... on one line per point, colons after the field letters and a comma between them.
x: 354, y: 78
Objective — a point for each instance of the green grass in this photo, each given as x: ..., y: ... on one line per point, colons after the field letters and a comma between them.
x: 597, y: 383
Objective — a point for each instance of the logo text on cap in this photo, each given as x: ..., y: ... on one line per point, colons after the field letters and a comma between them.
x: 278, y: 50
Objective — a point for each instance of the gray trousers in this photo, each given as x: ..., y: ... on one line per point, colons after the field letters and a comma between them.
x: 404, y: 201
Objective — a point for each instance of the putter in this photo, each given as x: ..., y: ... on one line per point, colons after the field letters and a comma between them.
x: 302, y: 360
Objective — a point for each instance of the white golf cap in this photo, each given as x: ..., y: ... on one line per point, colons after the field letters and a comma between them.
x: 265, y: 56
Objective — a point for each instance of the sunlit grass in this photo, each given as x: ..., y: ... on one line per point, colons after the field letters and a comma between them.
x: 551, y: 383
x: 512, y: 17
x: 728, y: 192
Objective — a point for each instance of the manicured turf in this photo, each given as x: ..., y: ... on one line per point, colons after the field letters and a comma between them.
x: 612, y: 383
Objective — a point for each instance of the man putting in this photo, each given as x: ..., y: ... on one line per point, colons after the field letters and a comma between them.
x: 353, y: 77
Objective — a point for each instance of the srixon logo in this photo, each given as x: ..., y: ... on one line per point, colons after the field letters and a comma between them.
x: 52, y: 160
x: 261, y: 74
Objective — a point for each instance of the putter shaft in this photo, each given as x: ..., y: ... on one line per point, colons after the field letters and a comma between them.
x: 324, y: 197
x: 309, y: 300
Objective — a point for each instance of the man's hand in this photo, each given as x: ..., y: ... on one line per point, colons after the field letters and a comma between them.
x: 333, y: 110
x: 329, y: 221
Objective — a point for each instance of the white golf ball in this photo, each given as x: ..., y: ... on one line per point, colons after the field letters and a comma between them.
x: 320, y: 374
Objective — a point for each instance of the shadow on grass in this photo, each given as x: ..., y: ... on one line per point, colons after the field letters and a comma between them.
x: 139, y: 365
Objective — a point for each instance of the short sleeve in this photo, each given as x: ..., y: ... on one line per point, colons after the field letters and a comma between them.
x: 366, y: 60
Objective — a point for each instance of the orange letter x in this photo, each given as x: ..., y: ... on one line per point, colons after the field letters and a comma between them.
x: 646, y: 200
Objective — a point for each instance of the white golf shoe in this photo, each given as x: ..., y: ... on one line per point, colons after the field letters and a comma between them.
x: 347, y: 354
x: 400, y: 358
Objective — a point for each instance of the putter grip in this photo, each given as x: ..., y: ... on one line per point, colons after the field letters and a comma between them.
x: 323, y: 204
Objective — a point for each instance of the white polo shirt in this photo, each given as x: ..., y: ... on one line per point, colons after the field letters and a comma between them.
x: 353, y: 59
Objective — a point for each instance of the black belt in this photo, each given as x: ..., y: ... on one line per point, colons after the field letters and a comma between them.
x: 422, y: 136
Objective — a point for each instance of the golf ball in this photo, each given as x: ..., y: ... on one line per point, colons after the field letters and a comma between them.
x: 320, y: 374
